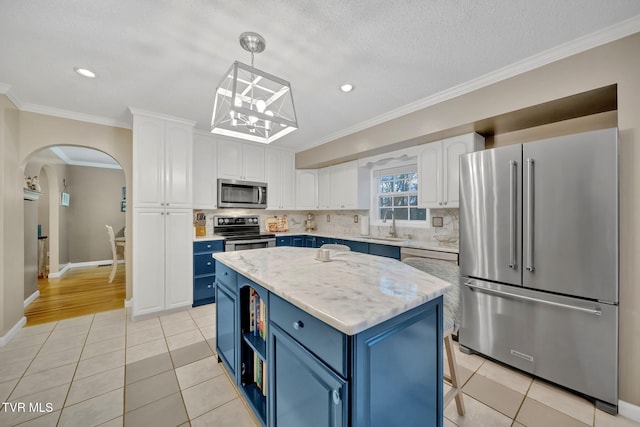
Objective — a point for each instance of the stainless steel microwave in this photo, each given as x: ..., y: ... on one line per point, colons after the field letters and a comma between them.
x: 241, y: 194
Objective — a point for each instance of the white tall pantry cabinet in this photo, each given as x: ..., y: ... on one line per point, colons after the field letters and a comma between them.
x: 162, y: 217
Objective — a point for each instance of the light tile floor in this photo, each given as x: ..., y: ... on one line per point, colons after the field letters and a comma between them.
x: 107, y: 370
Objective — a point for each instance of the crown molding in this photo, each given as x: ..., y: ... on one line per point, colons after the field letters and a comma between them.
x: 581, y: 44
x: 65, y: 114
x: 140, y: 112
x: 5, y: 89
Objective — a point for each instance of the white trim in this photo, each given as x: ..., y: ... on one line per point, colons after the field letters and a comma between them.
x: 60, y: 273
x: 128, y: 303
x: 629, y: 410
x: 72, y: 115
x: 58, y: 152
x: 32, y: 297
x: 581, y: 44
x: 139, y: 112
x: 4, y: 340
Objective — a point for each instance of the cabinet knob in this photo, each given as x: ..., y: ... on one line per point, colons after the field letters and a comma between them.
x: 445, y: 203
x: 209, y: 263
x: 210, y: 286
x: 226, y: 273
x: 440, y: 203
x: 336, y: 397
x: 298, y: 325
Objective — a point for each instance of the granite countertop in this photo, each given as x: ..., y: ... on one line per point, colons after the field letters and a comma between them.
x: 352, y: 292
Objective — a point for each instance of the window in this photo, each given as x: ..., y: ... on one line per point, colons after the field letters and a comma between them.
x: 397, y: 191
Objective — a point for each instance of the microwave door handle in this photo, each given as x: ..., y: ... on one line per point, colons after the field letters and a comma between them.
x: 259, y: 194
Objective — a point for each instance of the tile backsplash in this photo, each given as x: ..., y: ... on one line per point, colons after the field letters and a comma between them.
x: 341, y: 223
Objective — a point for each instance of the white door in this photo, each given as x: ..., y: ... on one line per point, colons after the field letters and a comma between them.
x: 430, y: 175
x: 287, y: 196
x: 148, y: 162
x: 148, y: 260
x: 178, y: 165
x: 205, y: 172
x: 324, y: 188
x: 273, y: 175
x: 230, y: 159
x: 338, y: 176
x: 307, y: 189
x: 350, y: 185
x: 451, y: 151
x: 178, y: 261
x: 254, y: 163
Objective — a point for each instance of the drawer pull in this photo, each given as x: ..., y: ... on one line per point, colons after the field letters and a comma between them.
x: 298, y: 325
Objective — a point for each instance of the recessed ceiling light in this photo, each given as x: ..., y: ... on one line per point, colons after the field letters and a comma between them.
x: 346, y: 87
x: 84, y: 72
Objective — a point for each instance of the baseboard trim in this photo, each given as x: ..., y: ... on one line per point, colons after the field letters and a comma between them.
x: 71, y: 265
x: 4, y: 340
x: 32, y: 297
x: 128, y: 303
x: 629, y: 410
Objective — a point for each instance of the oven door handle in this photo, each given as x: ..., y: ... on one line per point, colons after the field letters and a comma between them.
x: 244, y: 242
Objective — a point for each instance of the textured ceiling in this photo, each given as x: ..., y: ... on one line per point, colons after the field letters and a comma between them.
x: 168, y: 56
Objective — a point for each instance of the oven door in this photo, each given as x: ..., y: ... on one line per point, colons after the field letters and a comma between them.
x: 242, y: 245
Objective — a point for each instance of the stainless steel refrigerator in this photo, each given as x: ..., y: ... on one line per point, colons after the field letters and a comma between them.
x: 539, y: 259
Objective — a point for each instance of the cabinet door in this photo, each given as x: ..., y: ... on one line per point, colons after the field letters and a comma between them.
x: 148, y: 258
x: 350, y: 186
x: 307, y: 189
x: 230, y: 159
x: 227, y: 341
x: 430, y: 176
x: 178, y: 165
x: 324, y: 188
x: 253, y: 159
x: 274, y: 178
x: 205, y: 172
x: 148, y: 161
x: 178, y: 258
x: 451, y: 151
x: 305, y: 391
x: 288, y: 169
x: 338, y: 186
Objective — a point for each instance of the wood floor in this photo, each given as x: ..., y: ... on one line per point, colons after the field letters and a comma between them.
x: 78, y: 292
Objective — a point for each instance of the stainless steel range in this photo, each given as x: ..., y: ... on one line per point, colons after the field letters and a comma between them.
x: 242, y: 233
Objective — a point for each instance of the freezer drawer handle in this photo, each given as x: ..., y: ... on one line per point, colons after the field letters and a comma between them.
x: 596, y: 312
x: 513, y: 212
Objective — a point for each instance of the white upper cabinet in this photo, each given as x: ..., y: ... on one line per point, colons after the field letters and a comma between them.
x: 324, y: 188
x: 307, y: 189
x: 439, y: 167
x: 162, y: 162
x: 344, y: 186
x: 237, y: 160
x: 280, y: 175
x: 205, y: 172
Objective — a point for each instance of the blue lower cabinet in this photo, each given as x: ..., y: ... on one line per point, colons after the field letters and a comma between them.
x: 323, y: 241
x: 309, y: 242
x: 283, y: 241
x: 227, y: 328
x: 384, y: 250
x: 305, y: 391
x: 204, y: 271
x: 297, y: 241
x: 362, y: 247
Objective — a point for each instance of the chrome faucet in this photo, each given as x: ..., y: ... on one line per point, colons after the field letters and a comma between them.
x: 392, y: 229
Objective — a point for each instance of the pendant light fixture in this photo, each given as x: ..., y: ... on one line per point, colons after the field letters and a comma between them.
x: 251, y: 104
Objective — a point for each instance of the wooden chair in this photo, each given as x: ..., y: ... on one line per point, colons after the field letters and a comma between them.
x: 447, y: 271
x: 112, y: 241
x: 335, y: 247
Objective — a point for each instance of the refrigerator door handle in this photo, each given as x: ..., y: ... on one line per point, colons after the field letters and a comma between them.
x: 595, y: 312
x: 513, y: 212
x: 530, y: 199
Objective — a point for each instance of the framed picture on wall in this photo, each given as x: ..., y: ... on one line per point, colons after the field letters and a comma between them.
x: 123, y: 206
x: 64, y: 199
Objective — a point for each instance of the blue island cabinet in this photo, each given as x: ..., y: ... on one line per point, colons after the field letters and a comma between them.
x: 315, y: 375
x: 204, y: 271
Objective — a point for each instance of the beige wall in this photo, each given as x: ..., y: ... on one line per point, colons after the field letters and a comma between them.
x: 11, y: 219
x: 614, y: 63
x: 39, y: 131
x: 95, y: 201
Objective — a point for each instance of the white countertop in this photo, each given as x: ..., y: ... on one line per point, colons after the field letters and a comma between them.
x: 205, y: 238
x: 352, y: 292
x: 407, y: 243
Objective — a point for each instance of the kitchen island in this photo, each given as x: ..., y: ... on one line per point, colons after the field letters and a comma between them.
x: 353, y: 341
